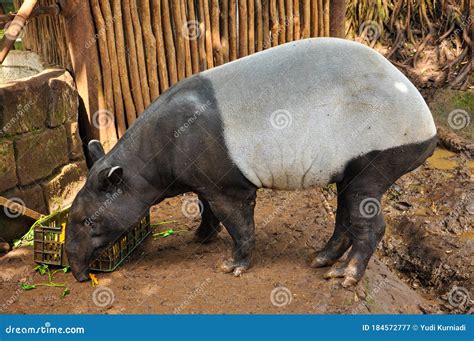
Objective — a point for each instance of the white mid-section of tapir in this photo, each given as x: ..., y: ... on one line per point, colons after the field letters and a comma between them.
x: 296, y: 114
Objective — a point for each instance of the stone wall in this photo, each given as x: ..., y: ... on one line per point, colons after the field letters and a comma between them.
x: 41, y: 158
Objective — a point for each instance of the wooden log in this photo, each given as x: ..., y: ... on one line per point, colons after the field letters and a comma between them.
x: 243, y: 30
x: 160, y: 45
x: 202, y: 37
x: 37, y: 11
x: 259, y: 25
x: 326, y: 17
x: 296, y: 19
x: 169, y: 42
x: 101, y: 40
x: 15, y: 28
x: 132, y: 58
x: 289, y: 20
x: 207, y: 23
x: 216, y: 36
x: 86, y: 71
x: 193, y: 36
x: 314, y: 19
x: 233, y: 53
x: 320, y: 18
x: 251, y: 25
x: 150, y: 49
x: 306, y: 18
x: 18, y: 208
x: 142, y: 64
x: 119, y: 97
x: 282, y: 19
x: 337, y: 18
x: 275, y: 22
x: 179, y: 36
x: 266, y: 24
x: 130, y: 111
x: 187, y: 48
x: 224, y: 5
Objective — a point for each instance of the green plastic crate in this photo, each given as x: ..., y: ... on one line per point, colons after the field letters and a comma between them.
x: 48, y: 243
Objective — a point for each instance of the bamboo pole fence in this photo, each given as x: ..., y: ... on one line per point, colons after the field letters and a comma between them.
x: 142, y: 47
x: 146, y: 46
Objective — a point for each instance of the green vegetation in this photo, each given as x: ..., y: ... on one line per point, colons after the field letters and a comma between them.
x: 447, y: 101
x: 44, y: 270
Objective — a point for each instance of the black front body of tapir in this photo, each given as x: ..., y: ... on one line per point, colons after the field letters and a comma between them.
x: 177, y: 146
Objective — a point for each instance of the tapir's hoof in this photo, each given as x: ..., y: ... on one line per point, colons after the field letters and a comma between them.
x: 335, y: 272
x: 347, y: 271
x: 315, y: 260
x: 349, y: 281
x: 230, y: 266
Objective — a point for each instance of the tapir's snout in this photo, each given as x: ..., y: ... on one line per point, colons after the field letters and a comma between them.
x: 80, y: 275
x: 79, y: 258
x: 79, y: 265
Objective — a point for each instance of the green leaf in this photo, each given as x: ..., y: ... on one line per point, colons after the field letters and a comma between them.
x: 42, y: 269
x: 164, y: 223
x: 66, y: 269
x: 165, y: 234
x: 66, y: 292
x: 26, y: 286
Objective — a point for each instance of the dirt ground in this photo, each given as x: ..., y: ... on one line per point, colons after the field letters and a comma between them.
x: 428, y: 252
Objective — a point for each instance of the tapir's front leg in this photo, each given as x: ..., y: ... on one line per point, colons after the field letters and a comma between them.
x: 237, y: 215
x: 210, y: 224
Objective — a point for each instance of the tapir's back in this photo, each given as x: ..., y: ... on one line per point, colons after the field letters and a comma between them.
x: 294, y: 115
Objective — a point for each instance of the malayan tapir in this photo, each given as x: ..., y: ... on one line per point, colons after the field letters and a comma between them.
x: 303, y: 114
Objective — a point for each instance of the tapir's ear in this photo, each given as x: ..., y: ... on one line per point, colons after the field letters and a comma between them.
x: 110, y: 176
x: 96, y: 151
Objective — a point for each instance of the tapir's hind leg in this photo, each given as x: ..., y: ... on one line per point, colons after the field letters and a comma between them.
x: 340, y: 241
x: 360, y: 221
x: 365, y: 228
x: 237, y: 215
x: 210, y: 224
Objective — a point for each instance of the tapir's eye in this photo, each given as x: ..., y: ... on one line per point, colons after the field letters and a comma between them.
x: 88, y: 223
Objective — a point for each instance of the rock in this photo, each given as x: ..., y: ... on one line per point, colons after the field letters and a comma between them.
x: 20, y: 64
x: 61, y: 189
x: 8, y: 177
x: 22, y: 107
x: 38, y: 154
x: 28, y: 104
x: 74, y: 141
x: 63, y: 100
